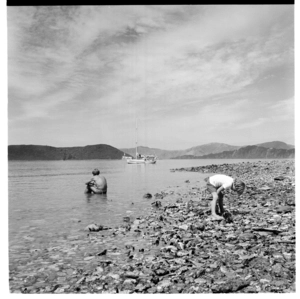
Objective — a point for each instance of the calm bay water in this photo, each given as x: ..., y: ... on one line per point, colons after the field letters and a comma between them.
x: 47, y: 200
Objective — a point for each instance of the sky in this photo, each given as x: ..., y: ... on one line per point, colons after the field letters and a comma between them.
x: 187, y: 75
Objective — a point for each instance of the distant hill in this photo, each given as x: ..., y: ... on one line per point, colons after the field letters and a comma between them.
x: 276, y: 144
x: 41, y: 152
x: 193, y: 151
x: 210, y: 148
x: 248, y: 152
x: 274, y: 149
x: 161, y: 154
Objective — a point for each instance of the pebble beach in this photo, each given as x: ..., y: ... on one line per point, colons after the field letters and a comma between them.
x: 176, y: 248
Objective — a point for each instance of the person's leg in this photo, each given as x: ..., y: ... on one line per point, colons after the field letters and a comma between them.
x: 213, y: 208
x: 214, y: 203
x: 220, y: 202
x: 218, y: 206
x: 88, y: 190
x: 97, y: 191
x: 213, y: 190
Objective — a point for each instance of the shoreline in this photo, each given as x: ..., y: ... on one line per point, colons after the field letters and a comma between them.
x: 176, y: 249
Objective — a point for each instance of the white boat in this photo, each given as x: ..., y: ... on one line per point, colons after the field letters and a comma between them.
x: 126, y: 157
x: 141, y: 159
x: 150, y: 159
x: 136, y: 161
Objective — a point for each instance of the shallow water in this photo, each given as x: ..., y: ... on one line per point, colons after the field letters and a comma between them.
x: 47, y: 203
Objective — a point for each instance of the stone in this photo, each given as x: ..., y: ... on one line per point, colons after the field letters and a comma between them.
x: 284, y: 209
x: 277, y: 268
x: 280, y: 178
x: 161, y: 272
x: 230, y: 286
x: 133, y: 275
x: 94, y: 227
x: 265, y: 188
x: 103, y: 252
x: 200, y: 281
x: 129, y: 281
x: 156, y: 203
x: 184, y: 227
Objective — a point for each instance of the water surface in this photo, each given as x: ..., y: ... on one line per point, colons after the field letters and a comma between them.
x: 47, y: 200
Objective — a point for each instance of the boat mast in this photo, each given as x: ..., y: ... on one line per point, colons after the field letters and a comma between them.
x: 136, y: 138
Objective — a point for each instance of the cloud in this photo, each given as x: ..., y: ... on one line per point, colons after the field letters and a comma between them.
x: 283, y: 110
x: 254, y: 123
x: 149, y: 61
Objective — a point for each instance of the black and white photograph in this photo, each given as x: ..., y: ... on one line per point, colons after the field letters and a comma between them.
x: 151, y: 149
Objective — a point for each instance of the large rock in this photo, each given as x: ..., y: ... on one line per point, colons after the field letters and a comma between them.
x: 94, y: 227
x: 230, y: 286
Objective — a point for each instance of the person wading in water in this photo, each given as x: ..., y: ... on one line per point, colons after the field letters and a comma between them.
x: 97, y: 184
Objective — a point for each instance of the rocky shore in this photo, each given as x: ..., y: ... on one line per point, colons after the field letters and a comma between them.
x: 177, y: 249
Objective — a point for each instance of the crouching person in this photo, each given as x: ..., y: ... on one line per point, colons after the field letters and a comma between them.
x: 217, y: 184
x: 97, y: 184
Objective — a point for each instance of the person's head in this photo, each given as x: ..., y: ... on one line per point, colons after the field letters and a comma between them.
x: 96, y: 171
x: 238, y: 186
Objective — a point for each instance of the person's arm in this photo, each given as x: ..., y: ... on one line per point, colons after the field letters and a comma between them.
x: 220, y: 190
x: 220, y: 201
x: 90, y: 181
x: 220, y: 198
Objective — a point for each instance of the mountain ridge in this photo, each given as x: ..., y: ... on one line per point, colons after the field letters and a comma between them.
x: 201, y: 150
x: 104, y: 151
x: 248, y: 152
x: 276, y: 144
x: 214, y: 147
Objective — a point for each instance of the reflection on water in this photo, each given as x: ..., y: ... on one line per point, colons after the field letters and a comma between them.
x: 102, y: 197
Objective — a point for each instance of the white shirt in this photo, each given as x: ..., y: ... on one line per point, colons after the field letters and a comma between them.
x: 219, y: 180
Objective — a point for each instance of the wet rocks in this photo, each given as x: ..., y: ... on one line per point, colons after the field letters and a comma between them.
x: 103, y: 252
x: 156, y: 204
x: 230, y: 286
x: 176, y: 249
x: 281, y: 178
x: 284, y: 209
x: 161, y: 272
x: 247, y: 237
x: 94, y: 228
x: 228, y: 217
x: 200, y: 227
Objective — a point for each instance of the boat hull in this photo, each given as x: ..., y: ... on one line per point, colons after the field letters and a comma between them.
x: 135, y: 161
x: 150, y: 162
x: 141, y: 161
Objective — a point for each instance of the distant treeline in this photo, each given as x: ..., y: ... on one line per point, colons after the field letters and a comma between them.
x: 269, y: 150
x: 40, y: 152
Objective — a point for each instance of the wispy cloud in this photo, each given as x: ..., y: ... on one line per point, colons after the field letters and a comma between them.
x: 182, y: 63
